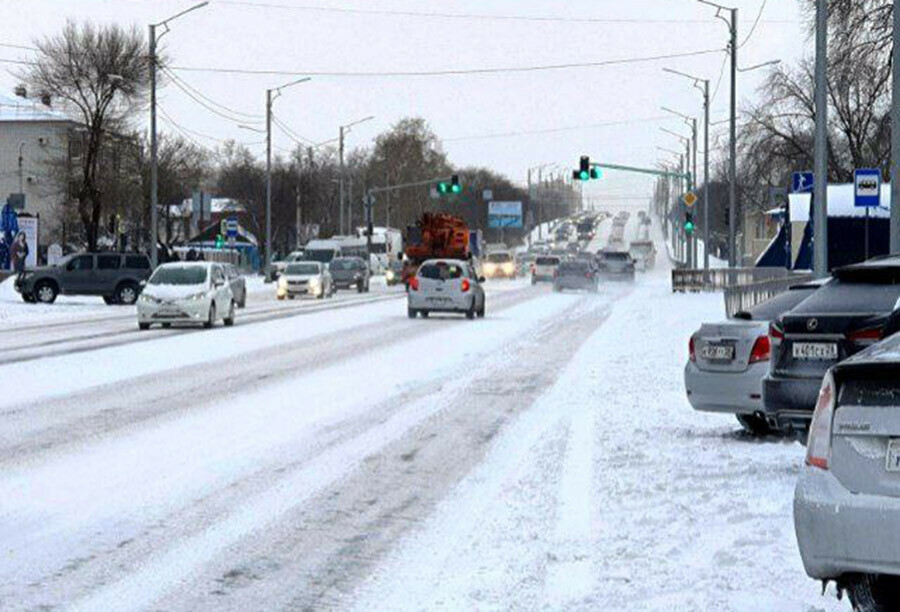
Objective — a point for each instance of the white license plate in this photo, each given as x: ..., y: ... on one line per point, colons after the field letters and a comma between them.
x: 717, y: 352
x: 892, y: 459
x: 169, y: 311
x: 439, y: 300
x: 815, y: 351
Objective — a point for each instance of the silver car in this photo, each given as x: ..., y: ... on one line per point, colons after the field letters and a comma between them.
x: 847, y: 499
x: 728, y: 360
x: 186, y: 292
x: 305, y: 278
x: 446, y: 285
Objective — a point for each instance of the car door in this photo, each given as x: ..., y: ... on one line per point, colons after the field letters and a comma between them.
x: 79, y: 275
x: 106, y: 274
x: 222, y: 290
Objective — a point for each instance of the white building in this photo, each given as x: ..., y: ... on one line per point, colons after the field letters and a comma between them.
x: 34, y: 141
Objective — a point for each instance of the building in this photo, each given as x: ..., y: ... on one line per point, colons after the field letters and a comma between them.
x: 37, y: 147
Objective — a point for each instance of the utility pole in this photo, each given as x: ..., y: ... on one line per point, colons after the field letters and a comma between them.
x: 706, y: 175
x: 820, y: 188
x: 895, y: 141
x: 732, y: 163
x: 268, y: 186
x: 154, y: 192
x: 341, y: 181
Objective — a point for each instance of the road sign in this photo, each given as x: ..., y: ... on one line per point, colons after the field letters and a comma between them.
x: 505, y: 214
x: 689, y: 199
x: 231, y: 227
x: 867, y: 187
x: 802, y: 182
x: 487, y: 195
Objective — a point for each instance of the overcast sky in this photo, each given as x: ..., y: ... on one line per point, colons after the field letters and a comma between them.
x: 462, y: 109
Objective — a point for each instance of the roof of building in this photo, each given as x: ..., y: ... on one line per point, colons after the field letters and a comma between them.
x: 23, y: 109
x: 841, y: 203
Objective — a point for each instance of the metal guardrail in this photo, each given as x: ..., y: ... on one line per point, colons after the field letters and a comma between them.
x: 717, y: 279
x: 742, y: 297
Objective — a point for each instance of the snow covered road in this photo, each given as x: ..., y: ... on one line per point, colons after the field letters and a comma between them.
x: 543, y: 458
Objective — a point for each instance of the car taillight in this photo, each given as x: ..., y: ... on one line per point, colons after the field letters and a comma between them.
x: 414, y: 283
x: 464, y: 285
x: 869, y: 335
x: 818, y: 445
x: 762, y: 349
x: 692, y: 355
x: 776, y: 332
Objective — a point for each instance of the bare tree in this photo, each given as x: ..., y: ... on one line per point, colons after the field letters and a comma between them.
x: 101, y: 73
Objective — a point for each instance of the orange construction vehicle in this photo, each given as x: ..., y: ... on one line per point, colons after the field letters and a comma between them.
x: 435, y: 236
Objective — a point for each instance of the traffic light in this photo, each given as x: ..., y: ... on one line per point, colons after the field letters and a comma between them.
x: 689, y: 226
x: 451, y: 187
x: 220, y: 241
x: 585, y: 171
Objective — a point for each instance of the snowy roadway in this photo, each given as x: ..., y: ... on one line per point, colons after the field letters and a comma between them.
x: 543, y: 458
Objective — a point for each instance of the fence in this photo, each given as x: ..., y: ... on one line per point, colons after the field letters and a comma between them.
x: 742, y: 297
x: 688, y: 279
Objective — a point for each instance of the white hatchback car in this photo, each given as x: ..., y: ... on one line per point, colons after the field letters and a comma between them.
x: 305, y: 278
x: 445, y: 285
x: 186, y: 292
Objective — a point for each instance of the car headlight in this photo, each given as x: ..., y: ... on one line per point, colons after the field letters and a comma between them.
x: 194, y: 297
x: 314, y: 282
x: 389, y: 275
x: 508, y: 268
x: 148, y: 299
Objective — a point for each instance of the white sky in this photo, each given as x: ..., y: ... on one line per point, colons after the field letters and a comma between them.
x: 239, y: 36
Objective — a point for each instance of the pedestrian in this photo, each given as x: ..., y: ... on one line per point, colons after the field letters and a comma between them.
x: 191, y: 255
x: 4, y: 252
x: 18, y: 254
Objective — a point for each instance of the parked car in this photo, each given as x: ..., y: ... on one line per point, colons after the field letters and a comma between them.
x: 544, y: 269
x: 186, y: 292
x: 446, y: 285
x: 117, y: 277
x: 576, y: 274
x: 727, y: 360
x: 499, y: 264
x: 238, y: 284
x: 616, y: 265
x: 849, y: 313
x: 847, y: 498
x: 347, y: 272
x: 305, y: 278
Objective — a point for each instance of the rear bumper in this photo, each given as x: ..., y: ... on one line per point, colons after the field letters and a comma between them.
x: 841, y: 532
x: 725, y: 392
x: 584, y: 285
x: 542, y: 278
x: 789, y: 402
x: 416, y: 302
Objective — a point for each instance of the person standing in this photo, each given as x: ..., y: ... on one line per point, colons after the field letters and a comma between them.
x: 18, y: 254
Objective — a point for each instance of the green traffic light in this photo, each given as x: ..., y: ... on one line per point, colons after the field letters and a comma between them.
x: 442, y: 187
x: 456, y: 188
x: 689, y: 227
x: 584, y: 175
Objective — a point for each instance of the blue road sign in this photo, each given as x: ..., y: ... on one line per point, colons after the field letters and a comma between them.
x: 867, y: 187
x: 231, y: 227
x: 802, y: 182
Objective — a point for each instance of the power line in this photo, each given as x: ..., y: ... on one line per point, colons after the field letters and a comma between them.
x: 479, y: 17
x: 719, y: 81
x: 13, y: 46
x: 453, y: 72
x: 762, y: 7
x: 559, y: 129
x: 188, y: 89
x: 188, y: 131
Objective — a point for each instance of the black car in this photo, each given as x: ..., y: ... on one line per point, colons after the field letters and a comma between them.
x: 349, y: 272
x: 117, y: 277
x: 856, y: 308
x: 576, y: 275
x: 616, y: 265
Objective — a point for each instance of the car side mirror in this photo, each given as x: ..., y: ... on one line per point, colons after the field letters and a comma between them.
x: 481, y: 279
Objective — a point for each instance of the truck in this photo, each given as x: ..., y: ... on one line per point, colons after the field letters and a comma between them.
x: 387, y: 246
x: 435, y: 236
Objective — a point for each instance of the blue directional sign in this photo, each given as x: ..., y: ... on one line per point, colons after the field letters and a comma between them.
x: 231, y: 227
x: 802, y: 182
x: 867, y: 187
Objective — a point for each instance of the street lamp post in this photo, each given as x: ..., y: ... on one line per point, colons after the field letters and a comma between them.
x: 343, y: 130
x: 154, y: 190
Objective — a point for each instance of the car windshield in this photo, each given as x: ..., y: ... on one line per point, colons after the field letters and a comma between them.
x: 547, y: 261
x: 774, y: 307
x: 574, y: 267
x: 345, y: 264
x: 302, y: 269
x: 441, y: 270
x: 179, y: 275
x: 499, y: 258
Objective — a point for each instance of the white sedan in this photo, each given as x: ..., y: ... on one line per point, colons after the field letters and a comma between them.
x: 305, y: 278
x: 192, y: 292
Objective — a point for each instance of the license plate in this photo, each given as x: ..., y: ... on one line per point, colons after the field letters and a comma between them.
x: 169, y: 311
x: 717, y: 352
x: 439, y: 300
x: 892, y: 459
x: 815, y: 351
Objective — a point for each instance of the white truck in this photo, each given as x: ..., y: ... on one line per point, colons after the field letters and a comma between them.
x: 387, y: 246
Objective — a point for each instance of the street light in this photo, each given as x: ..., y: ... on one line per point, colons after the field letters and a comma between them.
x: 344, y: 129
x: 763, y: 65
x: 154, y: 193
x: 705, y: 91
x: 269, y: 100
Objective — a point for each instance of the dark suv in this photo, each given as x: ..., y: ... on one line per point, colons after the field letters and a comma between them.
x: 855, y: 309
x: 116, y: 277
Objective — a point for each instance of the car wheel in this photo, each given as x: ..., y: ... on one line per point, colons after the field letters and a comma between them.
x: 45, y: 292
x: 127, y: 294
x: 411, y: 313
x: 754, y: 424
x: 243, y: 302
x: 874, y: 592
x: 211, y: 318
x: 360, y: 287
x: 143, y: 326
x: 480, y: 311
x: 229, y: 320
x: 424, y: 314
